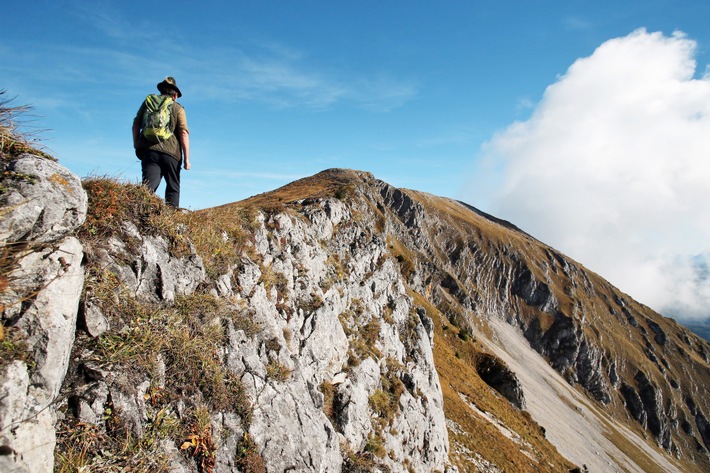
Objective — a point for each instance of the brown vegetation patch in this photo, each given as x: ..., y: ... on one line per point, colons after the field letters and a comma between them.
x: 338, y: 183
x: 248, y: 458
x: 219, y: 237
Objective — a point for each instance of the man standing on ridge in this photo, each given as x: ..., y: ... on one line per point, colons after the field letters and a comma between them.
x: 161, y: 140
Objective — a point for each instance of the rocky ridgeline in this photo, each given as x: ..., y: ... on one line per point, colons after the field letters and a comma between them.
x: 321, y: 330
x: 623, y: 354
x: 334, y: 321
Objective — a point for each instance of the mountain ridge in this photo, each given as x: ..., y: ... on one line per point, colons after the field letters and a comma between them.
x: 556, y: 306
x: 334, y: 324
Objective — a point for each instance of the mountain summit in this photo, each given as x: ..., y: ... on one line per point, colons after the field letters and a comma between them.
x: 335, y: 324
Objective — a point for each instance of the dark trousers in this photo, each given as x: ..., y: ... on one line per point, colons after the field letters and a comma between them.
x: 156, y: 165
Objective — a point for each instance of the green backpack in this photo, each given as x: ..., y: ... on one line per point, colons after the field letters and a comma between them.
x: 156, y: 119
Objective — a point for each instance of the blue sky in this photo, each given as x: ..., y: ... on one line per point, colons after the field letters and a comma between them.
x: 447, y: 97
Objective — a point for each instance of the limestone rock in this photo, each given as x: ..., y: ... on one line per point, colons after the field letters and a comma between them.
x: 151, y: 273
x: 41, y: 208
x: 48, y: 324
x: 46, y: 203
x: 498, y: 376
x: 50, y: 319
x: 312, y: 342
x: 94, y: 321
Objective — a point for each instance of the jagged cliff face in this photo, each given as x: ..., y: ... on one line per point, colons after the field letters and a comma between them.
x: 341, y: 324
x: 644, y: 372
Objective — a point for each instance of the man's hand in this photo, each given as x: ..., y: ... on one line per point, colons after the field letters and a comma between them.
x: 184, y: 138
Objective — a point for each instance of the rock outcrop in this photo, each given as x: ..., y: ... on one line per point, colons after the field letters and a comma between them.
x: 336, y: 359
x: 323, y: 321
x: 42, y: 205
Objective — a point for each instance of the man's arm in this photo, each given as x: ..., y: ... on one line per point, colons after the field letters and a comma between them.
x: 184, y: 138
x: 136, y: 133
x: 137, y: 123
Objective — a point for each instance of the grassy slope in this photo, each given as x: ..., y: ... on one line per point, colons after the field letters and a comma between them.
x: 518, y: 445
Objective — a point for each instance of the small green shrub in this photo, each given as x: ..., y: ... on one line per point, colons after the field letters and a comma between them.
x: 380, y: 403
x: 277, y: 371
x: 360, y: 462
x: 375, y: 446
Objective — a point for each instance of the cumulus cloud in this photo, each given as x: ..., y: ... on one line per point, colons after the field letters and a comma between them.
x: 613, y: 169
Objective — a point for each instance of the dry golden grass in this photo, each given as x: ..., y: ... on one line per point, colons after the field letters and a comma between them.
x: 112, y: 203
x: 15, y: 141
x: 338, y: 183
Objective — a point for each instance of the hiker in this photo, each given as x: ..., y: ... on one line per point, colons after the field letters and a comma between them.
x: 161, y: 140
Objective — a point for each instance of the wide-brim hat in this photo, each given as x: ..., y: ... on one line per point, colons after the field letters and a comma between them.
x: 169, y: 83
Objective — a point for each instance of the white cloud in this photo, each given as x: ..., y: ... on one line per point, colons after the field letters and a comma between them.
x: 613, y: 168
